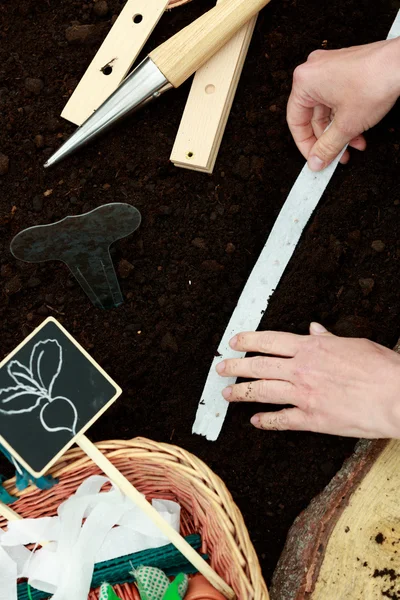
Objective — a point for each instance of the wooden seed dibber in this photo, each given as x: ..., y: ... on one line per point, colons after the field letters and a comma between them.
x: 167, y: 66
x: 180, y: 56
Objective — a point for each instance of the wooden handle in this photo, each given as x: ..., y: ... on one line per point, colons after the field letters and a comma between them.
x: 184, y: 53
x: 174, y: 537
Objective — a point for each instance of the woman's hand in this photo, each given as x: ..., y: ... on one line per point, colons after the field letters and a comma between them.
x: 353, y: 87
x: 341, y: 386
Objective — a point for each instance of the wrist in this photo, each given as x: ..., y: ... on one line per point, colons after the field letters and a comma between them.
x: 394, y: 416
x: 391, y: 64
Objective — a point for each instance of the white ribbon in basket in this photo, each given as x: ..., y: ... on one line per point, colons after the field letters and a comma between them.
x: 91, y: 526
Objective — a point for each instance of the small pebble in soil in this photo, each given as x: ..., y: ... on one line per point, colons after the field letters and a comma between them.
x: 13, y: 286
x: 4, y: 164
x: 378, y: 246
x: 242, y: 167
x: 199, y: 243
x: 125, y: 268
x: 43, y: 311
x: 212, y: 265
x: 52, y: 124
x: 353, y: 326
x: 168, y: 342
x: 100, y: 8
x: 6, y: 271
x: 230, y: 248
x: 33, y: 282
x: 366, y: 285
x: 165, y: 210
x: 354, y: 237
x: 85, y: 34
x: 34, y: 85
x: 257, y: 164
x: 37, y: 203
x: 39, y: 141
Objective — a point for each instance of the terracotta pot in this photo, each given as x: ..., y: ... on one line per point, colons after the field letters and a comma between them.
x: 201, y: 589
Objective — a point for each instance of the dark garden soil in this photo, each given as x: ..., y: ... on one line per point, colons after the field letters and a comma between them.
x: 207, y: 230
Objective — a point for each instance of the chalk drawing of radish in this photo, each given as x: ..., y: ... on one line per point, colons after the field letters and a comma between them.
x: 34, y: 387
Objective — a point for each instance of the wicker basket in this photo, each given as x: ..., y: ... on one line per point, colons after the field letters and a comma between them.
x: 164, y: 471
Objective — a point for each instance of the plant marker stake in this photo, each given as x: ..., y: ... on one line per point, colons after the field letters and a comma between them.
x: 82, y: 242
x: 114, y: 58
x: 167, y: 66
x: 49, y: 368
x: 263, y: 280
x: 209, y: 104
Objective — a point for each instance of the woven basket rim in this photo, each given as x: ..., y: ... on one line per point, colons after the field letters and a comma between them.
x: 198, y: 476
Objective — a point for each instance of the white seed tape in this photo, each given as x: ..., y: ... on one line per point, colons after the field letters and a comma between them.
x: 263, y: 280
x: 8, y: 577
x: 395, y: 28
x: 91, y: 526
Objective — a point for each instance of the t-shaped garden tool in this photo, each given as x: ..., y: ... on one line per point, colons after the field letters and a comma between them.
x: 83, y: 242
x: 167, y: 66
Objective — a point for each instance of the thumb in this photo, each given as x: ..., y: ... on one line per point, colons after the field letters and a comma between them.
x: 328, y: 146
x: 318, y: 329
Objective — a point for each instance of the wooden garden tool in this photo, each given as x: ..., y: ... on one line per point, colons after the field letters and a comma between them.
x: 167, y: 66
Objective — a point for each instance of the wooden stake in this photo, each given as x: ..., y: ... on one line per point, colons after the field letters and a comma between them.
x: 114, y: 58
x: 209, y: 103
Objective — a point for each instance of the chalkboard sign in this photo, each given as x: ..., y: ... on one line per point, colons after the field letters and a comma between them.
x: 51, y: 392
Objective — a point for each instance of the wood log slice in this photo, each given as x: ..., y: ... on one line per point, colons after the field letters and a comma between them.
x: 346, y: 544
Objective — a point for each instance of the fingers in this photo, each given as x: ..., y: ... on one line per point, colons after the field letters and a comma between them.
x: 359, y: 143
x: 273, y: 392
x: 318, y: 329
x: 257, y: 367
x: 268, y: 342
x: 328, y: 146
x: 320, y: 119
x: 299, y: 115
x: 287, y: 419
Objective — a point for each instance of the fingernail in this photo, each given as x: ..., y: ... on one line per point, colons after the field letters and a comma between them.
x: 317, y: 328
x: 227, y: 392
x: 315, y: 163
x: 221, y: 367
x: 233, y: 341
x: 255, y: 420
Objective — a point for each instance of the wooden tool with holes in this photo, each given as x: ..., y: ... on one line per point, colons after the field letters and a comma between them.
x: 167, y: 66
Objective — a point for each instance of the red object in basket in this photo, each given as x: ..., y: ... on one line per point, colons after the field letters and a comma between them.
x: 201, y: 589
